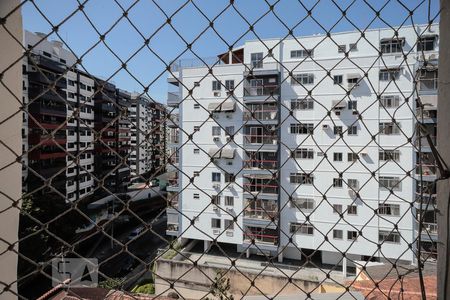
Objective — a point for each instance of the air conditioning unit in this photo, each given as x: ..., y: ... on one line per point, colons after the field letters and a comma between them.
x: 319, y: 153
x: 337, y: 112
x: 228, y: 139
x: 216, y: 139
x: 352, y: 193
x: 230, y: 186
x: 216, y: 94
x: 215, y: 208
x: 216, y: 231
x: 325, y: 126
x: 229, y: 163
x: 355, y: 112
x: 216, y: 186
x: 229, y: 233
x: 228, y: 116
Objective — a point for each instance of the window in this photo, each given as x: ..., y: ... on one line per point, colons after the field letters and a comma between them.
x: 229, y: 200
x: 389, y: 74
x: 302, y: 53
x: 342, y: 48
x: 82, y: 86
x: 337, y: 208
x: 338, y: 79
x: 352, y: 157
x: 389, y: 182
x: 392, y: 45
x: 216, y: 85
x: 386, y: 155
x: 196, y: 151
x: 256, y: 60
x: 337, y: 182
x: 389, y: 128
x: 46, y: 54
x: 301, y: 178
x: 302, y: 104
x: 306, y: 229
x: 306, y: 128
x: 216, y: 130
x: 337, y: 156
x: 215, y: 177
x: 338, y: 234
x: 229, y: 85
x: 303, y: 203
x: 390, y: 101
x: 388, y: 236
x: 352, y: 130
x: 352, y: 235
x: 303, y: 79
x: 229, y: 224
x: 196, y: 106
x: 386, y: 209
x: 426, y: 43
x: 229, y: 130
x: 196, y: 128
x: 352, y: 210
x: 71, y: 82
x: 337, y: 130
x: 215, y: 199
x: 304, y: 153
x: 215, y: 223
x: 196, y: 173
x: 196, y: 196
x: 353, y: 47
x: 196, y: 83
x: 353, y: 183
x: 229, y: 177
x: 70, y: 95
x: 352, y: 105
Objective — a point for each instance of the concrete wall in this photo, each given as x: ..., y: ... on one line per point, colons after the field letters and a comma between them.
x: 11, y: 145
x: 195, y: 282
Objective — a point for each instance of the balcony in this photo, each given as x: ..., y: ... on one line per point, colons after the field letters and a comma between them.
x: 173, y: 99
x: 428, y: 171
x: 428, y: 201
x: 47, y: 79
x: 429, y: 116
x: 48, y: 63
x: 173, y: 121
x: 429, y: 231
x: 261, y: 115
x: 44, y: 93
x: 261, y: 184
x: 428, y: 85
x: 262, y: 92
x: 261, y: 236
x: 423, y: 142
x: 261, y: 141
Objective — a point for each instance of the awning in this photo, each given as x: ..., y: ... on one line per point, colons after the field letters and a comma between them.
x: 221, y: 153
x: 353, y: 75
x: 393, y: 39
x: 338, y: 104
x: 260, y: 176
x: 430, y: 67
x: 228, y: 105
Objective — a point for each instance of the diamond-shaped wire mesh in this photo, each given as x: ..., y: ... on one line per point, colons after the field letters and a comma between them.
x: 293, y: 155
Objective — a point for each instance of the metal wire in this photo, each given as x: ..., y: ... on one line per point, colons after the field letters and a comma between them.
x: 44, y: 229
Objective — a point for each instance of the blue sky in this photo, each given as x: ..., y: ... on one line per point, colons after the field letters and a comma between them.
x: 148, y: 68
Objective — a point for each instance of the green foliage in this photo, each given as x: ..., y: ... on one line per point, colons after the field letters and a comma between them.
x: 221, y: 287
x: 111, y: 283
x: 147, y: 288
x: 172, y: 252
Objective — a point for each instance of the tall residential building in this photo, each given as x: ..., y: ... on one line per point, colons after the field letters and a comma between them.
x: 306, y: 142
x: 113, y: 147
x: 52, y: 135
x: 147, y: 137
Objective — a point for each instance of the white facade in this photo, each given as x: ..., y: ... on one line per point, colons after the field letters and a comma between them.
x: 359, y: 177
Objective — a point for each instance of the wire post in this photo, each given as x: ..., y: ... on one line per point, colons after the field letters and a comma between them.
x: 10, y: 137
x: 443, y: 187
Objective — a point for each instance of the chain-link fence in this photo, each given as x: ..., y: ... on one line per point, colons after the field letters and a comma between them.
x: 299, y: 161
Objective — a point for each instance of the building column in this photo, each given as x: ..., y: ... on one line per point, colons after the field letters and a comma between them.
x: 247, y: 253
x: 206, y: 245
x: 280, y: 257
x: 344, y: 267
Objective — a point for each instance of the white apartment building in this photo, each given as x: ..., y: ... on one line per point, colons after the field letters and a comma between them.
x: 291, y: 151
x: 140, y: 146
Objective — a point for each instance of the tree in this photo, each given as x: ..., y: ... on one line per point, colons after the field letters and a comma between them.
x: 221, y: 287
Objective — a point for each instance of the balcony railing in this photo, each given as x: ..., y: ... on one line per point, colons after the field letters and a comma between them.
x: 260, y: 164
x: 265, y: 90
x: 429, y: 228
x: 424, y: 141
x: 261, y: 188
x: 427, y: 169
x: 428, y: 85
x: 260, y: 214
x: 260, y: 115
x: 260, y: 139
x: 261, y: 238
